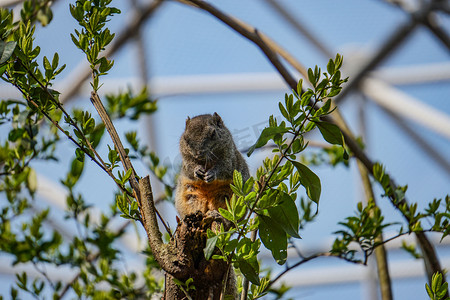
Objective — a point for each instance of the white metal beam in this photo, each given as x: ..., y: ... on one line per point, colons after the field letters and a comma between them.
x: 404, y: 105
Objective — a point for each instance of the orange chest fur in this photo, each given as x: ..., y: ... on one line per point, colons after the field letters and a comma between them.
x: 206, y: 196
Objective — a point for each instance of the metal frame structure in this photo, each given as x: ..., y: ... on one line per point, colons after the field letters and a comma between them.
x: 377, y: 85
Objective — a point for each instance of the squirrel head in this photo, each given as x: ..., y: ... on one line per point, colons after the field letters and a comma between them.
x: 205, y: 140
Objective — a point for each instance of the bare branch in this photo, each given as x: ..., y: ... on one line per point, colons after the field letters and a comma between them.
x: 124, y: 158
x: 287, y: 16
x: 90, y: 259
x: 267, y: 45
x: 165, y: 254
x: 116, y: 140
x: 351, y: 143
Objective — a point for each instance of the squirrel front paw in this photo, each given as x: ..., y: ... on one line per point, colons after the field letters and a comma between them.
x: 205, y: 175
x: 210, y: 175
x: 199, y: 172
x: 218, y: 219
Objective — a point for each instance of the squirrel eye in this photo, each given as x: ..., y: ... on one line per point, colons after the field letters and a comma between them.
x: 213, y: 134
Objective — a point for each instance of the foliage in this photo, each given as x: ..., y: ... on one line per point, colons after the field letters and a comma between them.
x: 438, y: 289
x: 35, y: 126
x: 437, y: 213
x: 267, y: 203
x: 263, y: 210
x: 94, y: 36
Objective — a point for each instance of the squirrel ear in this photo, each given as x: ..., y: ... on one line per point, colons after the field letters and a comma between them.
x: 217, y: 119
x: 188, y: 120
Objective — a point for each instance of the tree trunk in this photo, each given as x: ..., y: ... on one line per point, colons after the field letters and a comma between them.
x: 190, y: 240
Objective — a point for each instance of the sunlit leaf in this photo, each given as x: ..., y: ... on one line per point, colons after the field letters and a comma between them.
x: 310, y: 181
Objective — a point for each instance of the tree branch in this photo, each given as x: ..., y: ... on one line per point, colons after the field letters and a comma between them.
x: 74, y: 86
x: 125, y: 159
x: 165, y: 254
x: 71, y: 122
x: 260, y: 39
x: 271, y: 54
x: 116, y: 140
x: 90, y: 259
x: 380, y: 252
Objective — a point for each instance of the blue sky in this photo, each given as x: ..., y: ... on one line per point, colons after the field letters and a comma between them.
x: 182, y: 41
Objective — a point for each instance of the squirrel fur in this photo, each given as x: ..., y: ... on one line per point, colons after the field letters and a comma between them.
x: 209, y: 158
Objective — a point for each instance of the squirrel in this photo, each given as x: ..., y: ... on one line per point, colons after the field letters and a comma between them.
x: 209, y: 158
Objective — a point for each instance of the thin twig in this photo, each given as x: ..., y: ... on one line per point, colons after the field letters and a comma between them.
x: 69, y: 118
x: 427, y: 248
x: 295, y: 23
x: 26, y: 96
x: 121, y: 40
x: 329, y: 254
x: 125, y: 159
x: 116, y: 140
x: 89, y: 259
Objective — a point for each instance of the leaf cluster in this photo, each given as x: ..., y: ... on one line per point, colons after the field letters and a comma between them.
x: 152, y: 161
x: 24, y: 230
x: 362, y: 230
x: 437, y: 213
x: 267, y: 203
x: 92, y: 16
x: 37, y: 10
x: 128, y: 105
x: 438, y: 290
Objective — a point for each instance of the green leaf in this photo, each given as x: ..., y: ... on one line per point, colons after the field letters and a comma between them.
x: 274, y: 238
x: 3, y: 69
x: 75, y: 41
x: 267, y: 134
x: 299, y: 87
x: 226, y: 214
x: 32, y: 181
x: 47, y: 65
x: 306, y: 97
x: 248, y: 271
x: 127, y: 175
x: 87, y: 6
x: 6, y: 50
x: 79, y: 154
x: 441, y: 293
x: 76, y: 168
x: 16, y: 134
x: 89, y: 126
x: 322, y: 84
x: 286, y: 215
x: 436, y: 282
x: 429, y: 292
x: 210, y: 245
x: 310, y: 181
x: 311, y: 77
x: 113, y: 156
x: 330, y: 67
x: 296, y: 146
x: 324, y: 109
x: 237, y: 179
x: 283, y: 110
x: 55, y: 61
x: 334, y: 92
x: 248, y: 185
x: 331, y: 133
